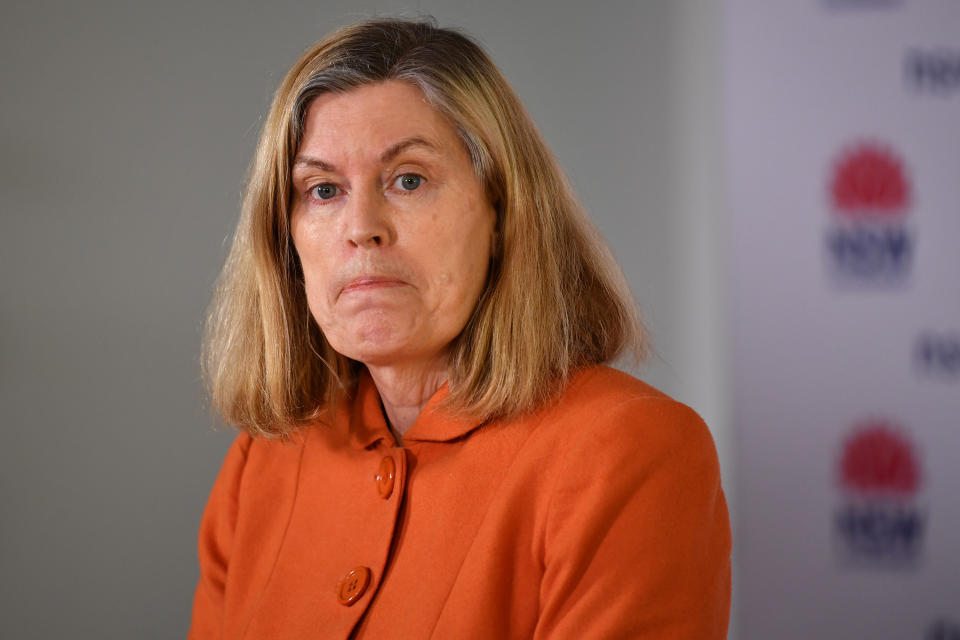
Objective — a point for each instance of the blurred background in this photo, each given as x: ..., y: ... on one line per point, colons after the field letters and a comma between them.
x: 779, y: 180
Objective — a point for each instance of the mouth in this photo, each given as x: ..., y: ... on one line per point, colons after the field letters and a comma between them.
x: 369, y: 283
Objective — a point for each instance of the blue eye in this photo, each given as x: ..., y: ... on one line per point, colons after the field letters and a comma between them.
x: 324, y: 191
x: 409, y: 181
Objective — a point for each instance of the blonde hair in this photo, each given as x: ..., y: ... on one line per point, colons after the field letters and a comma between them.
x: 554, y: 301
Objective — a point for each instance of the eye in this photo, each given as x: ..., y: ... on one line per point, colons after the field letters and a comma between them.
x: 324, y: 191
x: 409, y: 181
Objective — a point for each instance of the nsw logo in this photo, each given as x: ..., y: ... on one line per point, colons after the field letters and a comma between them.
x: 879, y: 477
x: 934, y: 72
x: 938, y: 354
x: 868, y: 239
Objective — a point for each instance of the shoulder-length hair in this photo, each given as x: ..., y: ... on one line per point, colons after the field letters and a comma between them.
x: 554, y: 300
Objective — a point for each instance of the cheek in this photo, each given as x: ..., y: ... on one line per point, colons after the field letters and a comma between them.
x: 316, y: 286
x: 315, y: 271
x: 466, y: 263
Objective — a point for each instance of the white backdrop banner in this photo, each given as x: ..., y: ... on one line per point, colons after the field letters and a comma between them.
x: 843, y: 165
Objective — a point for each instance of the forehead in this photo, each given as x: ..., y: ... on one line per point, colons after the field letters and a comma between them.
x: 368, y: 119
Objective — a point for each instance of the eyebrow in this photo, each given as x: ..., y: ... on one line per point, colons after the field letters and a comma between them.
x: 388, y: 154
x: 414, y: 141
x: 316, y: 163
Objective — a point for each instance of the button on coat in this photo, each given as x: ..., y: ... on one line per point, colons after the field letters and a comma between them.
x: 353, y: 585
x: 385, y: 477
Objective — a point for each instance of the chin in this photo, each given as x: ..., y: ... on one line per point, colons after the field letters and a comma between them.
x: 383, y: 340
x: 376, y: 348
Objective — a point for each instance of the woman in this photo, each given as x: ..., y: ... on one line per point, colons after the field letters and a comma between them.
x: 409, y: 332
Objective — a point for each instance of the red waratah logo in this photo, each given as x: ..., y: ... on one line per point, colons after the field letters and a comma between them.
x: 878, y: 459
x: 869, y: 181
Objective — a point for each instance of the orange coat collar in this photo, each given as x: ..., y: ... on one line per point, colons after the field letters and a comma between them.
x: 435, y: 424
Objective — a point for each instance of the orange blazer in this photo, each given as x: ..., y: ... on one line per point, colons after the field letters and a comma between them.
x: 599, y: 516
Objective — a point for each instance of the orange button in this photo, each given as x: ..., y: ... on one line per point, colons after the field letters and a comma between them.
x: 353, y: 585
x: 385, y: 476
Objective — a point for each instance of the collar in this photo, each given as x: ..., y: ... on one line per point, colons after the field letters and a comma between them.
x: 434, y: 424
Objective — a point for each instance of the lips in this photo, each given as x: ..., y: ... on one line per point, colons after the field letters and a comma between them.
x: 370, y: 283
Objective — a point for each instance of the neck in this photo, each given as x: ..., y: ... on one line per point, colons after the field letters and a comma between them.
x: 405, y: 390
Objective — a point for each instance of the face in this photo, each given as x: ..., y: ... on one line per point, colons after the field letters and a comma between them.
x: 391, y: 224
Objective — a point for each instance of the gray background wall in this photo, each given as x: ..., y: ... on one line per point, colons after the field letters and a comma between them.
x: 126, y: 131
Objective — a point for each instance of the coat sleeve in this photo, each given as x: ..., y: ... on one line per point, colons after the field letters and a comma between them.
x: 638, y: 537
x: 215, y: 542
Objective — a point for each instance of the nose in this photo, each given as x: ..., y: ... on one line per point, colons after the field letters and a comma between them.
x: 368, y: 222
